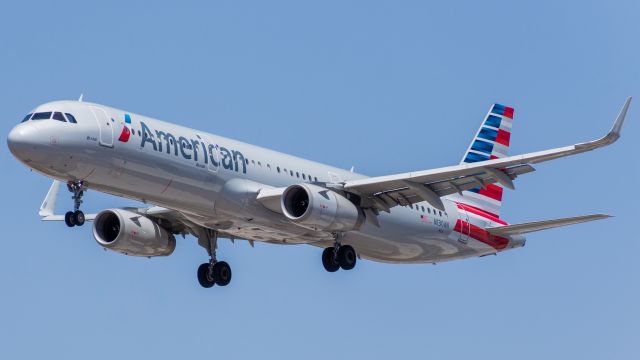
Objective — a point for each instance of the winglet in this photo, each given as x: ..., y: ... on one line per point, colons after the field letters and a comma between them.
x: 612, y: 136
x: 49, y: 203
x: 617, y: 126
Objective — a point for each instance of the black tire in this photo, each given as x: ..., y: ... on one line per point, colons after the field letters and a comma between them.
x: 222, y: 273
x: 69, y: 219
x: 347, y: 257
x: 205, y: 278
x: 78, y: 218
x: 329, y: 261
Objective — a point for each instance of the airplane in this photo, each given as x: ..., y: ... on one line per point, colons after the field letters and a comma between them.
x: 205, y: 185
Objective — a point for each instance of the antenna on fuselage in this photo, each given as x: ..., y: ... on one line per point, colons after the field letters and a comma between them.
x: 80, y: 98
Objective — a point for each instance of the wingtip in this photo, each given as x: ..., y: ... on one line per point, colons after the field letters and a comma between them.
x: 617, y: 126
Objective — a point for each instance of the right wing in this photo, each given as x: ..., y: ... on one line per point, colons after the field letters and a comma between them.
x: 385, y: 192
x: 172, y: 220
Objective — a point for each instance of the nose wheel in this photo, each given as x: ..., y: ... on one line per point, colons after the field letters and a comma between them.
x: 214, y: 272
x: 339, y: 256
x: 75, y: 217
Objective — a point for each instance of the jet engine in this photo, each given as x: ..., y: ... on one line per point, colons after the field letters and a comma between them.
x: 318, y: 208
x: 132, y: 234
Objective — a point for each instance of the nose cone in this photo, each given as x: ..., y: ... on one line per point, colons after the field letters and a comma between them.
x: 23, y: 141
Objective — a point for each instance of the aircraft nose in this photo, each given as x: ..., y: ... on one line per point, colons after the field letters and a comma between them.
x: 22, y: 140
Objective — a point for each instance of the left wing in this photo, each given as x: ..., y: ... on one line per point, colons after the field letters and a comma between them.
x: 515, y: 229
x: 385, y: 192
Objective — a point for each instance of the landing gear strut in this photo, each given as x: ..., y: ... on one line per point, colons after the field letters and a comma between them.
x: 213, y: 272
x: 75, y: 217
x: 339, y: 256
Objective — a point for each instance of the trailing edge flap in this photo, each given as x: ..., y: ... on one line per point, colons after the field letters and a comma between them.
x: 542, y: 225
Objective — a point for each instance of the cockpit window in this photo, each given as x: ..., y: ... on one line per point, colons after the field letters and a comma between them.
x: 71, y: 118
x: 58, y: 116
x: 26, y: 118
x: 41, y: 116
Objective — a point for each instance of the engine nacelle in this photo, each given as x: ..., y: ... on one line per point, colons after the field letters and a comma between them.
x: 132, y: 234
x: 318, y: 208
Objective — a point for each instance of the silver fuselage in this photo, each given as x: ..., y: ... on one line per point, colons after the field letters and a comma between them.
x: 189, y: 171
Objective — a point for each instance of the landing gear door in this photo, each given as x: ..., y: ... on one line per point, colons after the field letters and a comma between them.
x: 105, y: 126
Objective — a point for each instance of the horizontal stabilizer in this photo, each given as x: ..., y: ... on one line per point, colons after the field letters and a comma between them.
x: 542, y: 225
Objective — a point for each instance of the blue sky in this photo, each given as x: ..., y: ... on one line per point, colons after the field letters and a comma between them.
x: 385, y: 86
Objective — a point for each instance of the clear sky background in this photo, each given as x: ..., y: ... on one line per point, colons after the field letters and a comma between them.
x: 385, y: 86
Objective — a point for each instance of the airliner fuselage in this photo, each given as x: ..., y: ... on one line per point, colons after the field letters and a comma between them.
x: 213, y: 181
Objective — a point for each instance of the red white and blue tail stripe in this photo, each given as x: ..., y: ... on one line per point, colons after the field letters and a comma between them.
x: 491, y: 142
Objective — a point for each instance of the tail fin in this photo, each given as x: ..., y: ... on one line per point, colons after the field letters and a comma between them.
x: 491, y: 142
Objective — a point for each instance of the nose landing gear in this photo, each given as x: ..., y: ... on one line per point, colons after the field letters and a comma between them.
x: 339, y: 256
x: 75, y: 217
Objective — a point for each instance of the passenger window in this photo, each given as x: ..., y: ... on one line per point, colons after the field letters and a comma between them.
x: 440, y: 213
x: 58, y: 116
x: 247, y: 161
x: 71, y: 118
x: 315, y: 178
x: 429, y: 210
x: 291, y: 172
x: 278, y: 169
x: 26, y: 118
x: 297, y: 174
x: 304, y: 177
x: 422, y: 208
x: 41, y: 116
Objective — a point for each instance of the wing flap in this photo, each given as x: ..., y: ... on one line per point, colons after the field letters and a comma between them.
x: 524, y: 228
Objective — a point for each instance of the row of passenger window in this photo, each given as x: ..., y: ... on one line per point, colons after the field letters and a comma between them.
x: 57, y: 115
x: 284, y: 171
x: 428, y: 210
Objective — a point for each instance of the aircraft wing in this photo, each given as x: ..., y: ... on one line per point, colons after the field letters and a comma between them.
x: 513, y: 229
x: 385, y: 192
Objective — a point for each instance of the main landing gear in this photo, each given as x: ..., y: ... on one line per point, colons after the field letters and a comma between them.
x: 75, y: 217
x: 213, y: 272
x: 339, y: 256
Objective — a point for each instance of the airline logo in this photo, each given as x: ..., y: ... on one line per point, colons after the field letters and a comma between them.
x: 196, y: 150
x: 491, y: 142
x: 126, y: 132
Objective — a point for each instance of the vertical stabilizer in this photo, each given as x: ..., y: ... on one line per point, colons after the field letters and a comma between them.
x: 491, y: 142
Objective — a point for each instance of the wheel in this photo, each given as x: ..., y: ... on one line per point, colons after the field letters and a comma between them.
x: 222, y: 273
x: 205, y: 277
x: 69, y: 219
x: 347, y: 257
x: 329, y: 261
x: 78, y: 218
